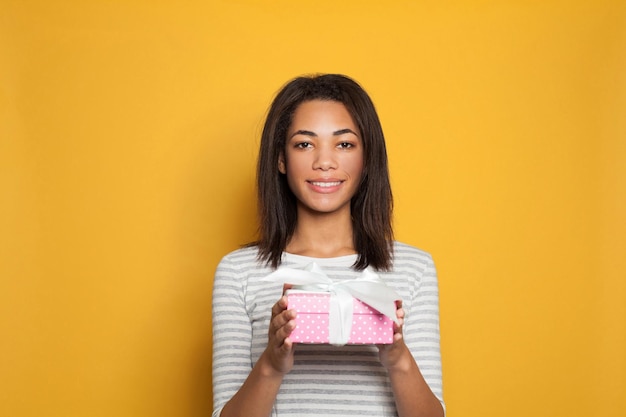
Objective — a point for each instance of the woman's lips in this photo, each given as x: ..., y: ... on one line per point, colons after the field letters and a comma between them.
x: 327, y: 186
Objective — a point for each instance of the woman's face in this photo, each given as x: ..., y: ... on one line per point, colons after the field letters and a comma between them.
x: 323, y: 157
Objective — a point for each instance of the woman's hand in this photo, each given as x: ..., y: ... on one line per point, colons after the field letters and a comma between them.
x: 258, y: 393
x: 412, y: 394
x: 280, y: 348
x: 396, y: 355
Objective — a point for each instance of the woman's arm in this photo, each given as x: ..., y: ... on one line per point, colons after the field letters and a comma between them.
x: 258, y: 393
x: 238, y: 388
x: 412, y: 394
x: 413, y: 361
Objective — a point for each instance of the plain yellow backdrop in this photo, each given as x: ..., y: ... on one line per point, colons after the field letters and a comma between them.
x: 128, y: 138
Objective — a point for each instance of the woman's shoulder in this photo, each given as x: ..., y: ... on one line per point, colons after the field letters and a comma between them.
x: 403, y: 252
x: 244, y: 255
x: 241, y: 264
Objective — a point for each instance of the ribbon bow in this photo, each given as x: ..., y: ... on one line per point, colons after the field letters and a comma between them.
x: 368, y: 288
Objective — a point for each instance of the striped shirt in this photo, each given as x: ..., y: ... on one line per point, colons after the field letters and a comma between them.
x: 325, y: 380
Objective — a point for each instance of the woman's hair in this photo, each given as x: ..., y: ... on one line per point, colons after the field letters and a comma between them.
x: 372, y: 204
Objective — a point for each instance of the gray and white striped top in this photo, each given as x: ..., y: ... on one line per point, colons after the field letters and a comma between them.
x: 325, y: 380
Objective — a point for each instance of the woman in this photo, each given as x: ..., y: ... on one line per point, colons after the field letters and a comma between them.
x: 324, y: 196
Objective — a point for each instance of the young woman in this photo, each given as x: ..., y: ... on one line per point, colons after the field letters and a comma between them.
x: 324, y: 196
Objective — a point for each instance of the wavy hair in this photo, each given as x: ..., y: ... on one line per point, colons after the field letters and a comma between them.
x: 372, y: 204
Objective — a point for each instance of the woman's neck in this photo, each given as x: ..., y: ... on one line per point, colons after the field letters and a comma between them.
x: 321, y: 236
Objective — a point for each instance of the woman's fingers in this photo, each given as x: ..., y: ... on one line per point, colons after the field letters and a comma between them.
x: 279, y: 306
x: 284, y: 325
x: 280, y: 347
x: 282, y: 322
x: 397, y: 327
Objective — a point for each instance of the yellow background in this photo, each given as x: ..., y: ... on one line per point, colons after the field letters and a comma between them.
x: 128, y: 138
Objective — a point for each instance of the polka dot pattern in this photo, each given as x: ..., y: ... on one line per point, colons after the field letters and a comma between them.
x: 368, y: 325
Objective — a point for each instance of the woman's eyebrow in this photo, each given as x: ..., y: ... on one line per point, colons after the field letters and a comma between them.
x: 303, y: 132
x: 314, y: 135
x: 344, y: 131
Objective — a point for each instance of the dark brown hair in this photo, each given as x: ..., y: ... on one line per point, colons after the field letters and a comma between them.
x: 371, y: 206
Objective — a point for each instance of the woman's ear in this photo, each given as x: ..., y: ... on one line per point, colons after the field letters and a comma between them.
x: 281, y: 163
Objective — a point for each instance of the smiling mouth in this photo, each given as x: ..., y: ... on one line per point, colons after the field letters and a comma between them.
x: 326, y: 184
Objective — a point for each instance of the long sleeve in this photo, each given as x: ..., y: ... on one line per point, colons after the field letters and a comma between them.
x: 421, y: 329
x: 232, y: 335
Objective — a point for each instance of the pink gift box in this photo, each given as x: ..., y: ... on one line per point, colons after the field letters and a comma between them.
x: 369, y: 326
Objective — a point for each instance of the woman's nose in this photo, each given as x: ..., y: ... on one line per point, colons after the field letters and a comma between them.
x: 324, y: 159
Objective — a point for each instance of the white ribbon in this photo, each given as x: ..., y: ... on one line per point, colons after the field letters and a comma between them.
x: 368, y: 288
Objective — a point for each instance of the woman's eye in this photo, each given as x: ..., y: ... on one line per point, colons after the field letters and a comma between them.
x: 303, y: 145
x: 346, y: 145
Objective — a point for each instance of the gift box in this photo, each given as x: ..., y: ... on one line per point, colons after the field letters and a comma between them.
x: 368, y: 325
x: 358, y: 310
